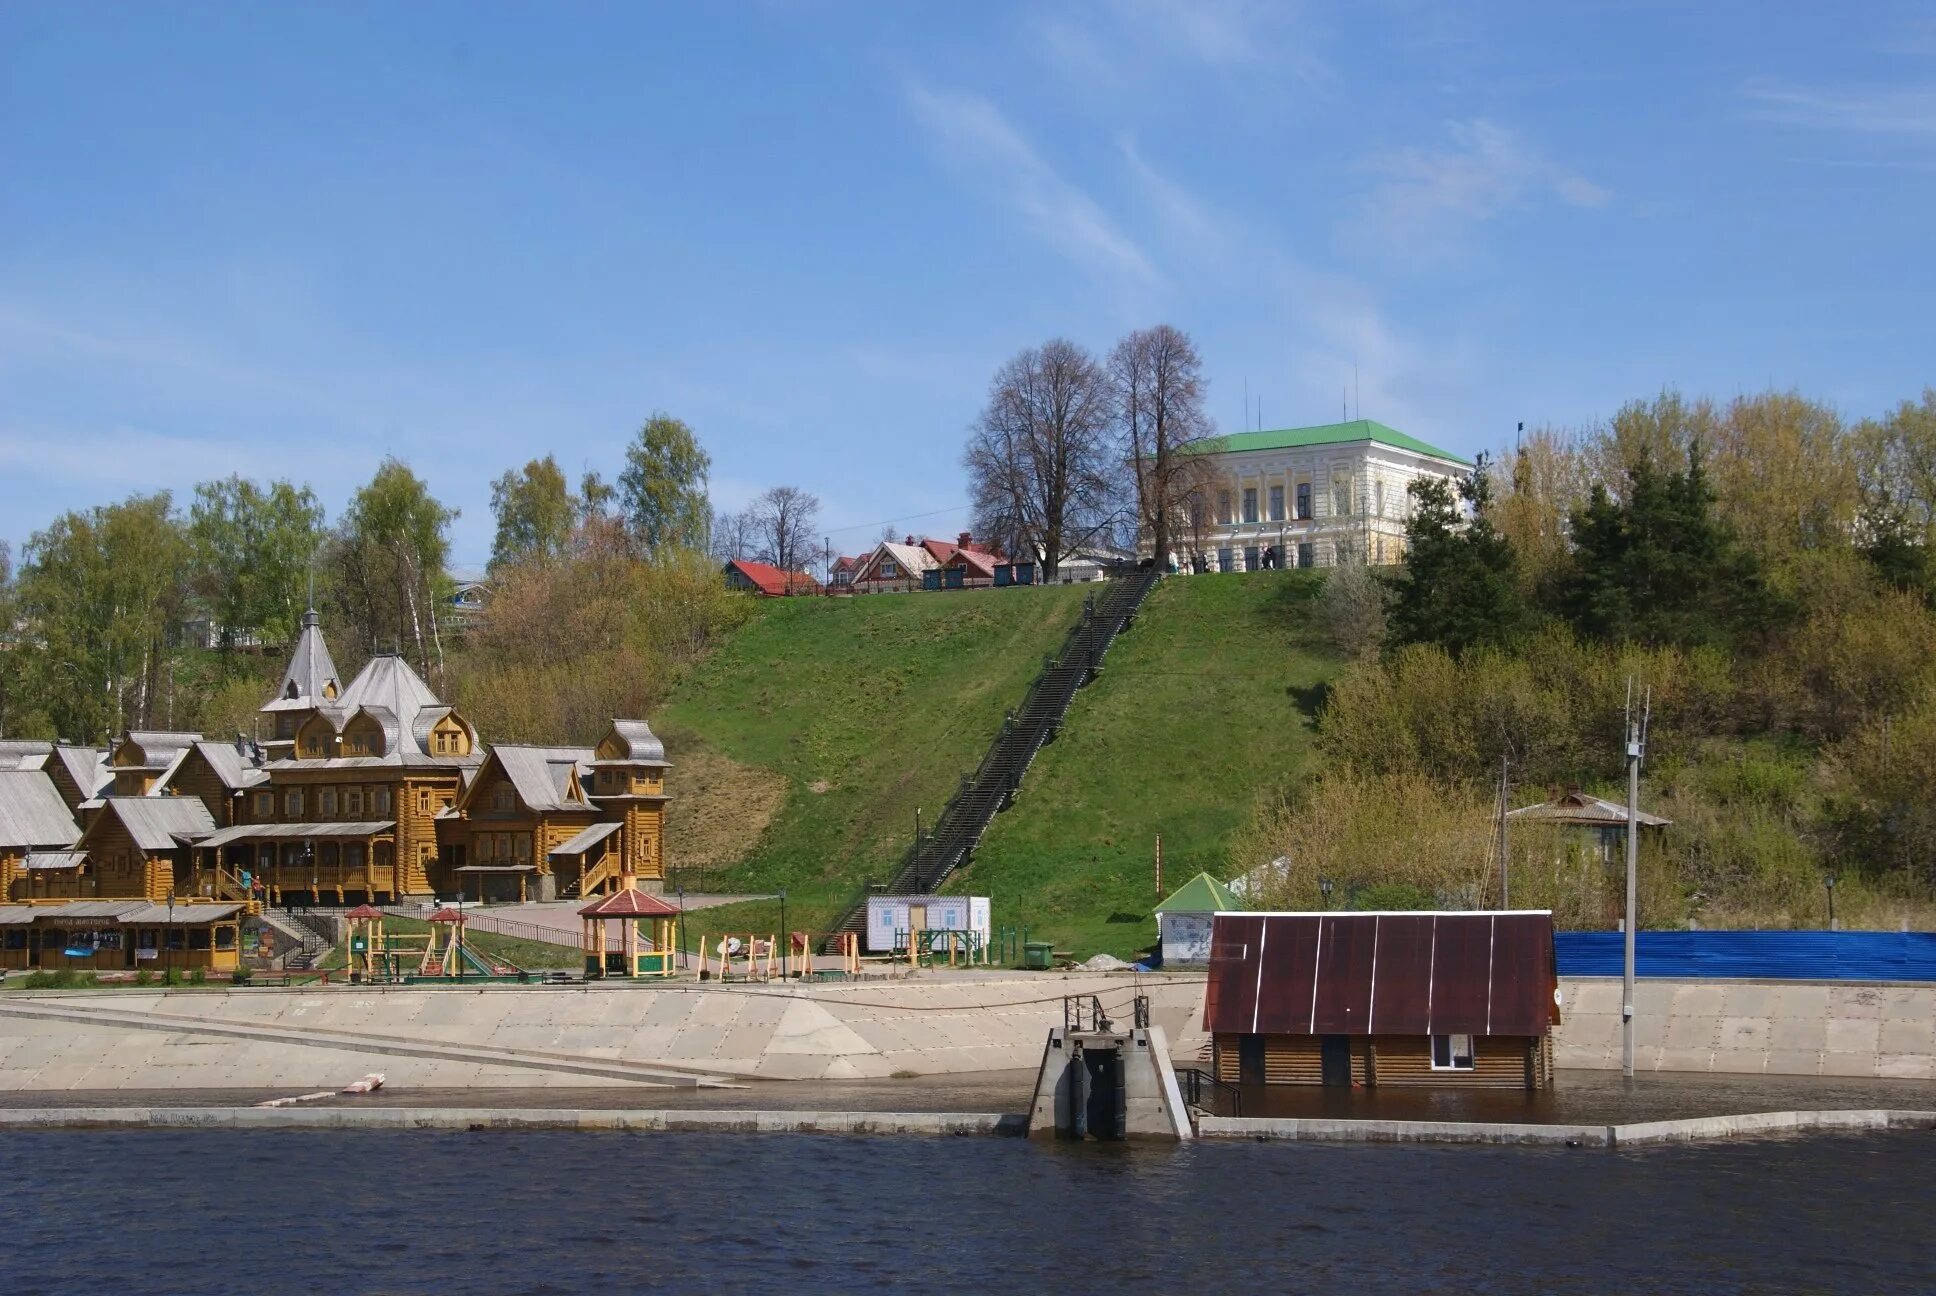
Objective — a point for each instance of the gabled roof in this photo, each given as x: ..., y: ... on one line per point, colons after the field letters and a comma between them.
x: 541, y: 775
x: 157, y: 823
x: 1201, y: 894
x: 912, y: 558
x: 978, y: 561
x: 771, y: 581
x: 389, y: 692
x: 1325, y: 434
x: 32, y: 812
x: 231, y: 766
x: 87, y: 766
x: 24, y: 753
x: 1584, y: 810
x: 311, y: 673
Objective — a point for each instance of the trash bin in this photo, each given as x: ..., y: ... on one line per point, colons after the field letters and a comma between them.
x: 1038, y: 956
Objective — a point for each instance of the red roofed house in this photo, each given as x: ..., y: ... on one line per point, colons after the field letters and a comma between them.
x: 840, y: 577
x: 768, y: 581
x: 976, y: 566
x: 893, y: 567
x: 1371, y: 999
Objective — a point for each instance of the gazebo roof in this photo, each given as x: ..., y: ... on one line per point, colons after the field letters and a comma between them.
x: 447, y: 914
x: 629, y: 903
x: 364, y: 911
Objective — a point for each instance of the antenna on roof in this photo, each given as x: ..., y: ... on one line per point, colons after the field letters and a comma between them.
x: 1246, y: 398
x: 1357, y: 407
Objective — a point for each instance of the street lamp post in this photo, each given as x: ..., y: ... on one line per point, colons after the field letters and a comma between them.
x: 168, y: 938
x: 1324, y: 889
x: 786, y: 951
x: 682, y: 920
x: 1829, y: 881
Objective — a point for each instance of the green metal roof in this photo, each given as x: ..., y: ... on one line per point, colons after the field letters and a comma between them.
x: 1326, y: 434
x: 1201, y: 894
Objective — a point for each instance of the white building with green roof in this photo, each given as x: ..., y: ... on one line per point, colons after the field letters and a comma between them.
x: 1307, y: 497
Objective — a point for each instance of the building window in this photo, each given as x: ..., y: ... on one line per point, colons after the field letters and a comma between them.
x: 423, y: 800
x: 1378, y: 492
x: 292, y: 804
x: 1250, y: 503
x: 1451, y: 1052
x: 380, y: 801
x: 1277, y: 504
x: 1304, y: 555
x: 1341, y: 496
x: 353, y: 801
x: 265, y: 805
x: 326, y: 802
x: 1250, y: 558
x: 502, y: 799
x: 1223, y: 559
x: 887, y: 570
x: 1304, y: 501
x: 1223, y: 508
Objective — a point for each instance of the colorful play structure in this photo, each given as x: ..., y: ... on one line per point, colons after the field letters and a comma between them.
x: 637, y: 954
x: 440, y: 951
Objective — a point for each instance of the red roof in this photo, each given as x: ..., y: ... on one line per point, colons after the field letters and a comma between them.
x: 364, y: 911
x: 1473, y: 972
x: 771, y: 581
x: 846, y: 563
x: 447, y: 915
x: 977, y: 561
x: 629, y: 903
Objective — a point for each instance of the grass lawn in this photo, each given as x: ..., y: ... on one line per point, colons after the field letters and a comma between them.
x: 1203, y: 704
x: 869, y: 708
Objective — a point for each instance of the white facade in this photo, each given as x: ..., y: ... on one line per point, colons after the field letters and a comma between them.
x: 889, y: 914
x: 1185, y: 937
x: 1307, y: 497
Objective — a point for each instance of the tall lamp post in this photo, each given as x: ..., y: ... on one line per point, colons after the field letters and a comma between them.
x: 1324, y: 889
x: 1636, y: 746
x: 1829, y: 882
x: 682, y: 921
x: 168, y: 938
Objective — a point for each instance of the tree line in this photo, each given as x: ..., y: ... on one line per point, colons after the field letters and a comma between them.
x: 1766, y: 567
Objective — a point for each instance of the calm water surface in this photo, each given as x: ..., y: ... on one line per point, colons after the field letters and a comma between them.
x: 204, y: 1212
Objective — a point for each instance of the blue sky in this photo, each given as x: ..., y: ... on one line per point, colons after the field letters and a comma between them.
x: 286, y: 240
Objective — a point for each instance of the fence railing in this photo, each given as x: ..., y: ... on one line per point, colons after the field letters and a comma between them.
x: 1206, y: 1093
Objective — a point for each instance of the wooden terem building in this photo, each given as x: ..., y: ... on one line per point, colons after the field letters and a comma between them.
x: 1455, y: 999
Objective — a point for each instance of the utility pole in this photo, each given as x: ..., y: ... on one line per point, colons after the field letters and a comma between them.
x: 1505, y: 866
x: 1159, y: 868
x: 1636, y: 744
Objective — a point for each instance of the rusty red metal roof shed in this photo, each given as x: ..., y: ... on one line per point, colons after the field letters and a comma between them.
x: 1476, y: 973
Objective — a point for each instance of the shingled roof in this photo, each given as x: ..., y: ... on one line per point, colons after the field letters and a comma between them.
x: 311, y: 679
x: 32, y: 812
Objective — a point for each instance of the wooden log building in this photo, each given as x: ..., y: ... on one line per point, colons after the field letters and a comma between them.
x: 372, y: 792
x: 1350, y: 999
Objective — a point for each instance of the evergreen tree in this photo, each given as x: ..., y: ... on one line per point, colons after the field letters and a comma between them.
x: 1457, y: 586
x: 1659, y: 567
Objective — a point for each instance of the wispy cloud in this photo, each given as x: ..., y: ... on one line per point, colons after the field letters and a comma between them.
x: 1120, y: 46
x: 1900, y: 111
x: 977, y: 139
x: 1428, y: 198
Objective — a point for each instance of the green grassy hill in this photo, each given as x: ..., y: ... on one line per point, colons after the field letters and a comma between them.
x: 832, y: 720
x: 835, y: 719
x: 1202, y: 705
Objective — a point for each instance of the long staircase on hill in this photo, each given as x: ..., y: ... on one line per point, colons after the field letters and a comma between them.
x: 992, y: 786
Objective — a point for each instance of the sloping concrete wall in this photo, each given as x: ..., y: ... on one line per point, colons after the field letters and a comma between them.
x: 1754, y: 1027
x: 939, y: 1025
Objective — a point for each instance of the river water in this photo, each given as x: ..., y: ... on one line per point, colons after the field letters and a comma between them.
x: 311, y: 1212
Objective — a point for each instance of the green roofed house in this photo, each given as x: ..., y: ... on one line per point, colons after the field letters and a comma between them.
x: 1307, y: 497
x: 1183, y: 920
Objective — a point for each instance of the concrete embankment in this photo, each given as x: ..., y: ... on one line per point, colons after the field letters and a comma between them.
x: 1697, y: 1130
x: 520, y: 1036
x: 500, y: 1119
x: 1885, y: 1031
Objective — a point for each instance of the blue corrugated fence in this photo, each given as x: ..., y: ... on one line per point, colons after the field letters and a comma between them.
x: 1757, y: 955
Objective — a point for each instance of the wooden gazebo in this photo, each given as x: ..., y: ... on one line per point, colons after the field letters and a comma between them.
x: 636, y: 955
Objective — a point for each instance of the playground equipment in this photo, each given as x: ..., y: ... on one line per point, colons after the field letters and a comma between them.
x: 636, y: 955
x: 442, y: 951
x: 764, y: 960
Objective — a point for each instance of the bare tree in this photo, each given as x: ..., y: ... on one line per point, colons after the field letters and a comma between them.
x: 1039, y: 458
x: 783, y: 522
x: 1158, y: 385
x: 734, y: 536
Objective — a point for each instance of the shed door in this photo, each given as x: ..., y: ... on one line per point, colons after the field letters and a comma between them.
x: 1250, y: 1059
x: 1334, y: 1060
x: 917, y: 919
